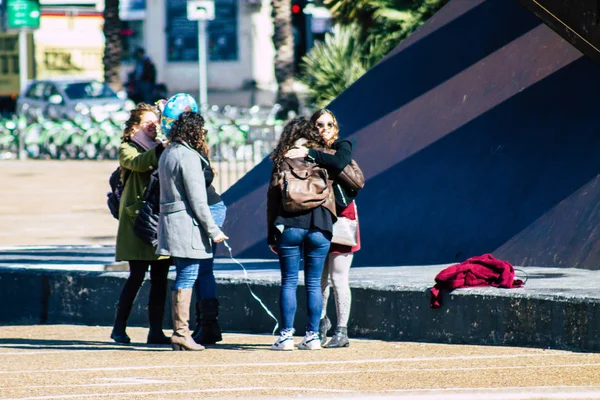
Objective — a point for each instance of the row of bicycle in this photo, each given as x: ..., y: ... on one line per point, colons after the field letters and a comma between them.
x: 234, y: 133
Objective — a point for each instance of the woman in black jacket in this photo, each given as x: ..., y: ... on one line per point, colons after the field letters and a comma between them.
x: 339, y: 260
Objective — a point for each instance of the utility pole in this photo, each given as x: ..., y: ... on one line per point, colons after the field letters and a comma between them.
x: 202, y: 11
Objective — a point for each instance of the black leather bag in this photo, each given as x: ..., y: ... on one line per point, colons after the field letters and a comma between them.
x: 145, y: 225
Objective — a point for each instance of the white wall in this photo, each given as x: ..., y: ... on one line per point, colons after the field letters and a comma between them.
x: 79, y: 37
x: 255, y: 52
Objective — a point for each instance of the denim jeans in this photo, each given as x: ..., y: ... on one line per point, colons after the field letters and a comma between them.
x: 314, y: 245
x: 206, y: 286
x: 187, y: 272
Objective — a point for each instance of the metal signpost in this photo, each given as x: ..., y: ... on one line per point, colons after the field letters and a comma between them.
x: 23, y: 15
x: 202, y: 11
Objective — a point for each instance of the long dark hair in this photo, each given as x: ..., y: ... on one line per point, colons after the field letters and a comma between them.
x: 297, y: 128
x: 135, y: 117
x: 189, y: 128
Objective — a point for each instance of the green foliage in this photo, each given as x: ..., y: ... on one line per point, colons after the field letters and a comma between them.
x: 365, y: 31
x: 338, y: 61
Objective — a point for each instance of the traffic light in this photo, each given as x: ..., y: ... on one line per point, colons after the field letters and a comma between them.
x: 299, y: 30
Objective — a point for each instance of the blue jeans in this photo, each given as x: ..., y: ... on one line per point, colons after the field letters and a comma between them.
x: 315, y: 246
x: 187, y: 272
x: 206, y: 286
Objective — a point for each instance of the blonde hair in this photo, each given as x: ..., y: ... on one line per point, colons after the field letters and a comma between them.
x: 135, y: 118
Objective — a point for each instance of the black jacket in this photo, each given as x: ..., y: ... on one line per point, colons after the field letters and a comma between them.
x: 335, y: 163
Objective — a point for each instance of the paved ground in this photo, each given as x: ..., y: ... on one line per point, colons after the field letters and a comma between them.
x: 62, y: 362
x: 64, y: 202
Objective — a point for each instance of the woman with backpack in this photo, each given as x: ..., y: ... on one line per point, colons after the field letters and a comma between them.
x: 186, y: 226
x: 339, y: 260
x: 139, y: 153
x: 300, y: 217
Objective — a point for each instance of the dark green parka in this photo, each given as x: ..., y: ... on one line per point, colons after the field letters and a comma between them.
x: 140, y: 164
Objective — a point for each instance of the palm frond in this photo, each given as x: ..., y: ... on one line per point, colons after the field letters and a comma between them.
x: 333, y: 65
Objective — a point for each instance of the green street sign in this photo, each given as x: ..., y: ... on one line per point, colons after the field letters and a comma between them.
x: 23, y: 14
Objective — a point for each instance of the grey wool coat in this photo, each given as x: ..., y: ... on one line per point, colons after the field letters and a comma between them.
x: 185, y: 227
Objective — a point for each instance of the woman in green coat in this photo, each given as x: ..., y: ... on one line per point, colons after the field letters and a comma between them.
x: 138, y: 157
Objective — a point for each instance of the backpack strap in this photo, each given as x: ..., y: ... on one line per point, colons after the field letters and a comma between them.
x: 126, y: 176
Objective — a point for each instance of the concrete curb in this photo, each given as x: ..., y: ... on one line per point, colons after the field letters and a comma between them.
x: 479, y: 316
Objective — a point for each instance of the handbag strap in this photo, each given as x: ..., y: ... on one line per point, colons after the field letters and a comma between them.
x: 308, y: 170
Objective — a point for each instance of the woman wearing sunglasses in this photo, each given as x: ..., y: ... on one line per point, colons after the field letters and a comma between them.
x: 339, y: 260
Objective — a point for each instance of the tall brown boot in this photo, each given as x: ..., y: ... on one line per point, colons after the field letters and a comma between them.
x: 182, y: 338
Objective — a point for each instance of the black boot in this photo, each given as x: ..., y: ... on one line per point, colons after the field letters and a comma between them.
x: 156, y: 304
x: 324, y: 326
x: 155, y: 320
x: 210, y: 332
x: 198, y: 319
x: 339, y: 339
x: 118, y: 333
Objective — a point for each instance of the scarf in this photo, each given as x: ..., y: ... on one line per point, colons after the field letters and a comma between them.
x: 144, y: 141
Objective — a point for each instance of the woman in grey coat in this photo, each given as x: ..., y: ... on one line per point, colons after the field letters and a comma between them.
x: 186, y: 226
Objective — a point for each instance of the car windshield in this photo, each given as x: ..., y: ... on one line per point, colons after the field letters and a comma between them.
x: 87, y: 90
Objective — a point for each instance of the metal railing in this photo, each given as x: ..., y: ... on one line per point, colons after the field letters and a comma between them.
x: 238, y: 138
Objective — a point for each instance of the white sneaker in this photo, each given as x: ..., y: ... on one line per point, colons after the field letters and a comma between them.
x: 285, y: 340
x: 311, y: 341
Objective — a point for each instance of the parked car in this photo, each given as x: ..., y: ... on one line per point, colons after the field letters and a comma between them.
x: 59, y: 99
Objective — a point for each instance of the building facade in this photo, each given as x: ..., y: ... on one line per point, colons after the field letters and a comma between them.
x: 240, y: 49
x: 70, y: 42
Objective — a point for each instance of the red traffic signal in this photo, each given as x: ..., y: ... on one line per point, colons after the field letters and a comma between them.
x: 296, y: 9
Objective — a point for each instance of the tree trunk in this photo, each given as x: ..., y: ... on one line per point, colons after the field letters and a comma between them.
x: 112, y: 44
x: 283, y: 41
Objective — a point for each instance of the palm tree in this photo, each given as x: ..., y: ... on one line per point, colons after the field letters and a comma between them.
x: 346, y: 12
x: 112, y: 44
x: 283, y: 40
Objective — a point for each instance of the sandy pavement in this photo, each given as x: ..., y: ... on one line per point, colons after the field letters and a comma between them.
x: 64, y: 202
x: 52, y: 202
x: 61, y: 362
x: 55, y: 202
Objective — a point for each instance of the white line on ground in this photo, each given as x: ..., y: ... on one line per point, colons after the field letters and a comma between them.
x: 282, y: 364
x: 138, y: 381
x: 544, y: 392
x: 387, y: 370
x: 506, y: 393
x: 60, y: 348
x: 166, y: 392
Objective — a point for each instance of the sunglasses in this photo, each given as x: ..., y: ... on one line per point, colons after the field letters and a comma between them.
x: 327, y: 125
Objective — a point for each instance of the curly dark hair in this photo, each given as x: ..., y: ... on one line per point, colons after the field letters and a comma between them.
x: 189, y: 128
x: 297, y: 128
x: 135, y: 117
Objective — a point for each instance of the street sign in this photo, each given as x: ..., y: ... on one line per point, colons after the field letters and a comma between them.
x: 23, y: 14
x: 201, y: 10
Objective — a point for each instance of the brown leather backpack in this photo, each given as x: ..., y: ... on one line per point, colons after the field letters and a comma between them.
x: 303, y: 185
x: 351, y: 177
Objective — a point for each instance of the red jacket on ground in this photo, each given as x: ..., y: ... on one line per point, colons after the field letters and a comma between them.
x: 484, y: 270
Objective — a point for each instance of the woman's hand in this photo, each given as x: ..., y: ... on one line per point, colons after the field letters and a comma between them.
x: 273, y: 248
x: 220, y: 238
x: 297, y: 152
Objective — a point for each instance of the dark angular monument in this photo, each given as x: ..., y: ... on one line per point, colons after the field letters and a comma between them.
x: 478, y: 134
